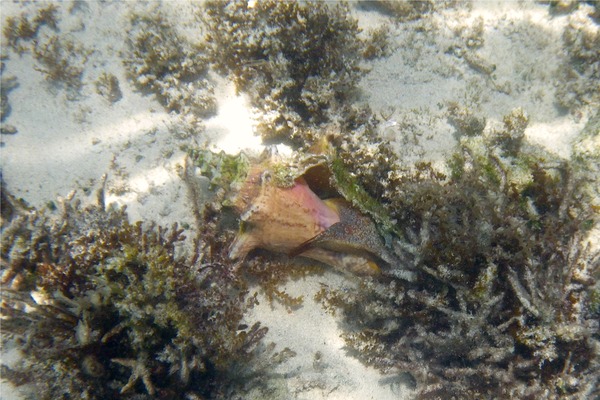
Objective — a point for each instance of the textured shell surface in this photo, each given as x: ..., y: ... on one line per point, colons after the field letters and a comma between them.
x: 294, y: 220
x: 279, y: 219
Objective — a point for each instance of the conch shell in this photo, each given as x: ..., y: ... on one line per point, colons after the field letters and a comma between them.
x: 295, y: 221
x: 281, y: 219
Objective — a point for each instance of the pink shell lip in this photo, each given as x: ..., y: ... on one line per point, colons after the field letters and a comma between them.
x: 281, y: 219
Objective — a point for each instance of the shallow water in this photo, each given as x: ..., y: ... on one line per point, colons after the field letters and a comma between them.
x: 117, y: 97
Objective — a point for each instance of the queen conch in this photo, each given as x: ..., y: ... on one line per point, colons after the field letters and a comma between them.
x: 295, y: 221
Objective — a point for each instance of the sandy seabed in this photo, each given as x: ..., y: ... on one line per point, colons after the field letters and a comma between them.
x: 64, y: 144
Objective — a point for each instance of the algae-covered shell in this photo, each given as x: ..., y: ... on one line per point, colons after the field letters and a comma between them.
x: 292, y: 219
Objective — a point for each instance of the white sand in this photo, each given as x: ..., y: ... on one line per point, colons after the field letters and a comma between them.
x: 64, y: 145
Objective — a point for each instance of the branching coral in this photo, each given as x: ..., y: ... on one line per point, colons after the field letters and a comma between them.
x: 101, y: 308
x: 165, y: 63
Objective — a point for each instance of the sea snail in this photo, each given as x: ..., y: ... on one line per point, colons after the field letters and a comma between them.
x: 293, y: 220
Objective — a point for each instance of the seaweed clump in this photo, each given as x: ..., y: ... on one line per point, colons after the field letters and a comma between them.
x: 581, y: 72
x: 299, y: 62
x: 26, y: 28
x: 505, y: 303
x: 163, y: 62
x: 365, y: 162
x: 102, y: 308
x: 59, y: 57
x: 107, y: 86
x: 7, y: 84
x: 464, y: 120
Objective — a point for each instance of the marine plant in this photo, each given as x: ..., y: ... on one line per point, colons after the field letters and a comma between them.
x: 464, y: 120
x: 62, y: 61
x: 378, y: 44
x: 7, y: 84
x: 299, y: 62
x: 101, y: 308
x: 107, y: 86
x: 504, y: 302
x: 26, y: 28
x: 580, y: 73
x: 165, y: 63
x: 59, y: 57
